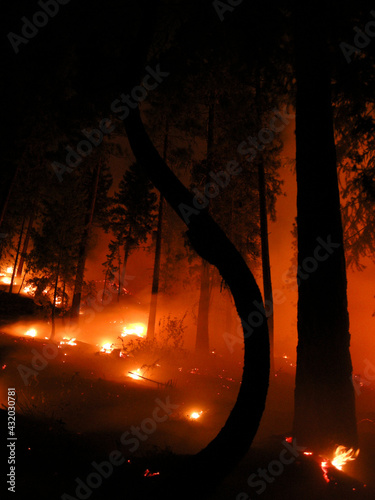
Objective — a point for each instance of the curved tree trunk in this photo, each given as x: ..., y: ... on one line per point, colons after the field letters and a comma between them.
x: 210, y: 242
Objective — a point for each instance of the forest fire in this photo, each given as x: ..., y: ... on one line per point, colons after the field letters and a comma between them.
x: 138, y: 329
x: 31, y: 333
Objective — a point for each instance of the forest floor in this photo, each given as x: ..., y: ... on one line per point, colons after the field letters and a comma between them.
x: 81, y: 407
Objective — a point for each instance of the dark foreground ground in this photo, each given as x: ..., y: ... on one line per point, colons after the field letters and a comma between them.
x: 72, y: 414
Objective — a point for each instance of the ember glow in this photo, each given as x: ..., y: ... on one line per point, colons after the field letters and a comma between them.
x: 31, y: 333
x: 195, y: 415
x: 138, y: 329
x: 343, y: 455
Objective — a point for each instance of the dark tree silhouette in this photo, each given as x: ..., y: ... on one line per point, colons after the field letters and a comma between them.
x: 324, y: 395
x: 211, y: 244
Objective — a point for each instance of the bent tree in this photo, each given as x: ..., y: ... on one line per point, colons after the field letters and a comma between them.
x: 324, y: 395
x: 211, y: 243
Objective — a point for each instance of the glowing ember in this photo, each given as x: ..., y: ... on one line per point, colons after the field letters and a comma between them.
x: 324, y: 466
x: 138, y: 329
x: 308, y: 453
x: 66, y: 341
x: 10, y: 270
x: 107, y: 348
x: 135, y: 375
x: 343, y: 455
x: 195, y: 415
x: 31, y: 333
x: 6, y: 281
x: 29, y: 289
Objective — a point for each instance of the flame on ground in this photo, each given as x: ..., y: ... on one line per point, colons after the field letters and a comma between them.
x: 107, y: 348
x: 67, y: 341
x: 31, y: 333
x: 135, y: 374
x: 195, y: 415
x: 343, y: 455
x: 138, y: 329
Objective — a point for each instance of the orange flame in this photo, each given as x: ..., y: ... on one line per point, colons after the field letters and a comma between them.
x: 31, y: 333
x: 67, y: 341
x: 343, y: 455
x: 107, y: 348
x: 138, y: 329
x: 135, y: 375
x: 195, y: 415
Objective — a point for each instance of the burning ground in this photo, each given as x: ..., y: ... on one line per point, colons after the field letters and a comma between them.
x: 79, y: 402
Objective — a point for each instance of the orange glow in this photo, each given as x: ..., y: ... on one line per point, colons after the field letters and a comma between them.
x: 66, y: 341
x: 107, y: 348
x: 6, y: 281
x: 10, y: 270
x: 343, y: 455
x: 138, y: 329
x: 31, y: 333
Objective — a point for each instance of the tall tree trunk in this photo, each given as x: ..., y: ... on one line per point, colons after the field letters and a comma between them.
x: 23, y: 281
x: 211, y: 243
x: 6, y: 192
x: 17, y: 255
x: 53, y: 313
x: 262, y: 189
x: 82, y: 252
x: 25, y: 244
x: 156, y: 272
x: 127, y: 249
x: 266, y: 265
x: 324, y: 395
x: 202, y: 338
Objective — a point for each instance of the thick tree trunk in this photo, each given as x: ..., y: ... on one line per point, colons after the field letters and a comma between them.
x: 82, y: 252
x: 324, y: 395
x: 211, y: 243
